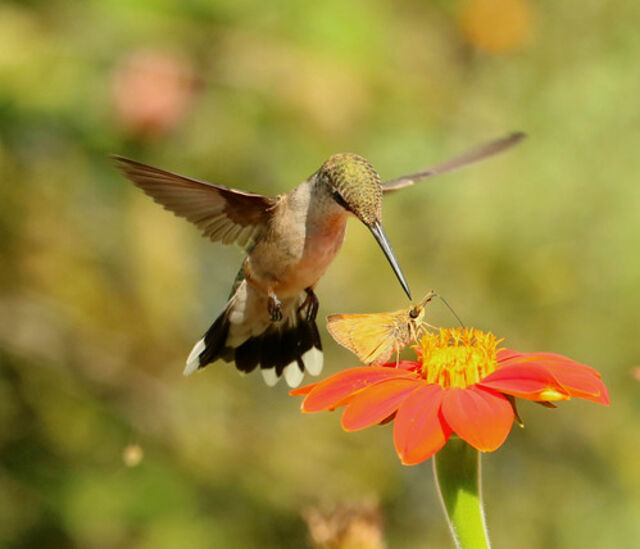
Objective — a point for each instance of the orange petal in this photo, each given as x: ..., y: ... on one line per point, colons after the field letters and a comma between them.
x: 408, y: 365
x: 507, y: 357
x: 580, y: 383
x: 305, y: 390
x: 480, y: 417
x: 522, y: 380
x: 330, y: 392
x: 374, y: 404
x: 418, y: 431
x: 388, y: 418
x: 507, y: 354
x: 524, y: 375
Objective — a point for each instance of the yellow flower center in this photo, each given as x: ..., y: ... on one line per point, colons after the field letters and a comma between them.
x: 458, y: 357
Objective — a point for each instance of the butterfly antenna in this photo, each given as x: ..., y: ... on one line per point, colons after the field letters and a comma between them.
x: 433, y: 294
x: 451, y: 309
x: 429, y: 297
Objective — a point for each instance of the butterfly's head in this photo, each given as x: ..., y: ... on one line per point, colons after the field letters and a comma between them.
x: 416, y: 313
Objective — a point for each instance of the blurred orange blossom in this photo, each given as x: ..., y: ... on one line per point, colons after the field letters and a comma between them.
x: 152, y: 91
x: 497, y: 26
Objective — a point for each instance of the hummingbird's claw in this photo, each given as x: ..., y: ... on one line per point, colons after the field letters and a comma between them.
x: 311, y: 301
x: 275, y: 308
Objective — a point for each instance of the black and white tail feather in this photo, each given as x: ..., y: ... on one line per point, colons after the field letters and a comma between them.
x: 245, y: 334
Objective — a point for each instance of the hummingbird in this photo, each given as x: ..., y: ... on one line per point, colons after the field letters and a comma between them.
x: 289, y: 240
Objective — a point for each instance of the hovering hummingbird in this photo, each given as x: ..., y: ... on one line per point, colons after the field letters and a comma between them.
x: 290, y: 240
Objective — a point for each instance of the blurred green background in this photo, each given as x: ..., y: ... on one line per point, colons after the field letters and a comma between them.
x: 103, y: 293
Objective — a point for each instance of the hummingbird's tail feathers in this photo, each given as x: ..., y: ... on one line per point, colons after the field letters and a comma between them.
x: 245, y: 334
x: 193, y: 360
x: 211, y: 347
x: 286, y: 349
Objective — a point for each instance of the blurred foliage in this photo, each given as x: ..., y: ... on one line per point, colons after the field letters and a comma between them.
x: 102, y: 293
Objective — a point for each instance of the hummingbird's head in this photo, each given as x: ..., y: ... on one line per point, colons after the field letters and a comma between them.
x: 355, y: 184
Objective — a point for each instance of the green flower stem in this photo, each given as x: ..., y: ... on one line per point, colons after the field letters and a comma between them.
x: 457, y: 472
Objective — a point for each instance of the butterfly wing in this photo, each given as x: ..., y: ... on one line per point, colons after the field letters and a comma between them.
x: 371, y: 337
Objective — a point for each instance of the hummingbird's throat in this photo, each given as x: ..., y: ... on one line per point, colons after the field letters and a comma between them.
x: 458, y: 357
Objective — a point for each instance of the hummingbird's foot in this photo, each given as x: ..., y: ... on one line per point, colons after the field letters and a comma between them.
x: 311, y: 301
x: 274, y: 307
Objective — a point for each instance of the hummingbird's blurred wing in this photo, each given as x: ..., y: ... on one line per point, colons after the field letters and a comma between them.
x: 470, y: 157
x: 224, y: 215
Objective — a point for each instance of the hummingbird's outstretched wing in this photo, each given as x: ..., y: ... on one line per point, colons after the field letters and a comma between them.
x: 224, y: 215
x: 470, y: 157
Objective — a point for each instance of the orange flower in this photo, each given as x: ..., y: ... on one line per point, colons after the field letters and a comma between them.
x: 462, y: 384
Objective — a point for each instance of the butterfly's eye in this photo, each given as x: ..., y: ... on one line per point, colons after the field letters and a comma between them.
x: 414, y: 313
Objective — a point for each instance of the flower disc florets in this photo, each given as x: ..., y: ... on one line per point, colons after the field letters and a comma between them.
x: 458, y: 357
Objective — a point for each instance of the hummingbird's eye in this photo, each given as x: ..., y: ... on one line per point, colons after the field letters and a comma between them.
x: 338, y: 198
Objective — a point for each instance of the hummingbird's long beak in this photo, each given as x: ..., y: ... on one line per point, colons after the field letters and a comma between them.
x: 382, y: 239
